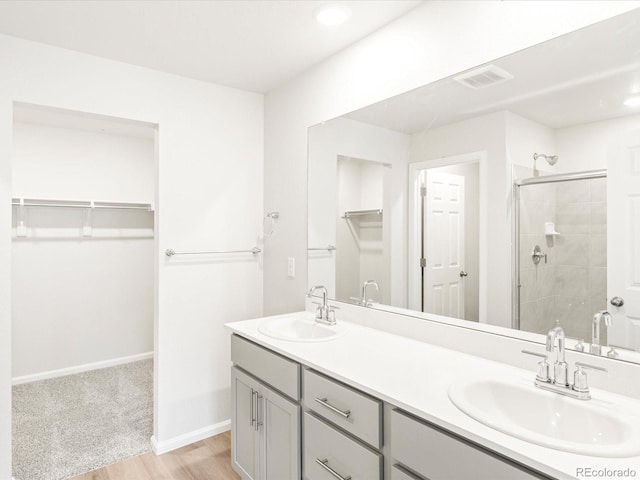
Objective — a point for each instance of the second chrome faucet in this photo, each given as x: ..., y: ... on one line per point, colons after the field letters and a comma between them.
x: 363, y: 298
x: 595, y: 347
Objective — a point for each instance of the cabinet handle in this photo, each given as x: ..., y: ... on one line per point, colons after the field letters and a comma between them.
x: 325, y: 464
x: 252, y: 419
x: 254, y: 406
x: 259, y: 423
x: 324, y: 403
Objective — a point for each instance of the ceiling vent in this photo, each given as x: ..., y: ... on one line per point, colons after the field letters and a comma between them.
x: 483, y: 77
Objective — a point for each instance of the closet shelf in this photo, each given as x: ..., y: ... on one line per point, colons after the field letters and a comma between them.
x: 33, y: 202
x: 329, y: 248
x: 361, y: 213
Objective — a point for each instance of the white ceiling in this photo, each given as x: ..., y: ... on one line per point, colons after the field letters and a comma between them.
x: 574, y: 79
x: 252, y: 45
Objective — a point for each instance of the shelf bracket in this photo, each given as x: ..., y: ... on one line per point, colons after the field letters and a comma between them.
x: 87, y: 226
x: 21, y: 226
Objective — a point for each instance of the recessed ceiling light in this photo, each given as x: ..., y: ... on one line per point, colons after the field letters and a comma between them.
x: 633, y: 101
x: 332, y: 15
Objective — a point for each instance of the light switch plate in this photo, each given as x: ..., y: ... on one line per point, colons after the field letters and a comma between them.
x: 291, y: 267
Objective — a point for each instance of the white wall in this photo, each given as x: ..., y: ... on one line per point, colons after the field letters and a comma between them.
x: 485, y: 134
x: 526, y: 137
x: 79, y: 300
x: 432, y: 42
x: 584, y: 147
x: 349, y: 138
x: 209, y: 195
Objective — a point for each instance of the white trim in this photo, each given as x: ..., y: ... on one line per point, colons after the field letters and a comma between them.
x: 188, y: 438
x: 80, y: 368
x: 414, y: 217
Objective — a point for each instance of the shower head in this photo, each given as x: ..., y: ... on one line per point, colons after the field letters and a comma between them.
x: 551, y: 159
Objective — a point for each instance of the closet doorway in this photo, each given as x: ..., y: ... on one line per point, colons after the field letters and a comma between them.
x: 82, y: 292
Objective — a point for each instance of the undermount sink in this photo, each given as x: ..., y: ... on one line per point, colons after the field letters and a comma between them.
x: 549, y: 419
x: 300, y: 328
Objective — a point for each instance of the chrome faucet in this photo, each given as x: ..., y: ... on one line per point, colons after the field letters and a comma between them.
x: 559, y: 384
x: 560, y: 368
x: 595, y: 347
x: 363, y: 299
x: 324, y: 313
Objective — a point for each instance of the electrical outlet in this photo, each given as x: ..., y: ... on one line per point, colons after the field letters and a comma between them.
x: 291, y: 267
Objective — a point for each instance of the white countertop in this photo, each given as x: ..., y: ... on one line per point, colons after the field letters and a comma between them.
x: 415, y: 376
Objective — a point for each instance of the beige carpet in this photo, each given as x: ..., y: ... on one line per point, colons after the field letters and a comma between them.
x: 73, y: 424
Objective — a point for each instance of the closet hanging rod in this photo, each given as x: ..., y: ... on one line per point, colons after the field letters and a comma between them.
x: 328, y: 247
x: 170, y: 252
x: 359, y: 213
x: 16, y: 202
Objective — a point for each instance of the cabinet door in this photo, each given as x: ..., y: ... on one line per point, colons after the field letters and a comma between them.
x: 245, y: 441
x: 280, y: 428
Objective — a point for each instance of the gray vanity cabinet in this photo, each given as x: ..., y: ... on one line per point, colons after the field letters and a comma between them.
x: 265, y: 425
x: 346, y: 433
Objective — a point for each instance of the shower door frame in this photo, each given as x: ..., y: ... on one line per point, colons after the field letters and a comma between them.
x: 556, y: 178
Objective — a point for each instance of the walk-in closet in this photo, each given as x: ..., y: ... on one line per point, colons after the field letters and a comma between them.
x: 82, y: 290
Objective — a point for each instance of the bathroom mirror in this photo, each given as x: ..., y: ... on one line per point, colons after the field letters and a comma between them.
x: 504, y: 198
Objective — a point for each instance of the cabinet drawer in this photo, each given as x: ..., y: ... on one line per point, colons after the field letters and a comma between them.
x: 438, y: 455
x: 346, y: 457
x: 398, y: 473
x: 279, y: 372
x: 351, y: 410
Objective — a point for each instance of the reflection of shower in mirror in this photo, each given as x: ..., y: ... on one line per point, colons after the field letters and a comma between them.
x: 567, y: 280
x: 551, y: 160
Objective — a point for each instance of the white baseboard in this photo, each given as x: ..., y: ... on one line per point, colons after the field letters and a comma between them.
x: 188, y: 438
x: 80, y: 368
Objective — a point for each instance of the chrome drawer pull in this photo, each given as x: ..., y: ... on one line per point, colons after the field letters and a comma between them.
x: 324, y: 403
x: 324, y: 464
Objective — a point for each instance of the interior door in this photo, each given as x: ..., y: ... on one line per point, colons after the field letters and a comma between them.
x: 444, y: 244
x: 623, y: 239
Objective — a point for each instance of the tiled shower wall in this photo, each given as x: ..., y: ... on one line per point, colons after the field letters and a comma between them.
x: 571, y: 286
x: 537, y: 290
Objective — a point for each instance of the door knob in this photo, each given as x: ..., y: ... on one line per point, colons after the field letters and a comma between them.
x: 463, y: 273
x: 617, y: 301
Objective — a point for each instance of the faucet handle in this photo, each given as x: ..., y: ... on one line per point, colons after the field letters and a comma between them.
x: 590, y: 367
x: 543, y: 366
x: 535, y: 354
x: 612, y: 353
x: 580, y: 383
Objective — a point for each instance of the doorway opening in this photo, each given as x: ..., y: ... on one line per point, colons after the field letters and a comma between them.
x: 363, y: 231
x: 445, y: 241
x: 82, y: 290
